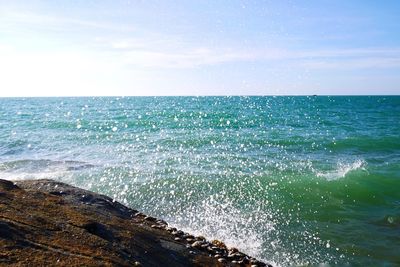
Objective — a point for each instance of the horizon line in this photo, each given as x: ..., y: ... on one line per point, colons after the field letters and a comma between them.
x: 235, y: 95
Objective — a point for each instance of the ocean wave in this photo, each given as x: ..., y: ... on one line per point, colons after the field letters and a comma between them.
x: 222, y: 220
x: 366, y: 144
x: 40, y: 168
x: 13, y: 147
x: 344, y: 169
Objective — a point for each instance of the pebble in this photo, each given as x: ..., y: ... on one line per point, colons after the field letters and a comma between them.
x: 238, y: 254
x: 149, y: 218
x: 217, y: 248
x: 254, y: 261
x: 233, y: 250
x: 162, y: 222
x: 177, y: 233
x: 218, y: 243
x: 231, y: 256
x: 197, y: 244
x: 200, y: 237
x: 138, y: 214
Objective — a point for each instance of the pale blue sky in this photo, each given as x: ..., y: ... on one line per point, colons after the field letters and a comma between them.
x: 146, y: 47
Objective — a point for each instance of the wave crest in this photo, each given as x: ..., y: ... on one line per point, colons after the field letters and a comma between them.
x: 40, y: 168
x: 343, y: 169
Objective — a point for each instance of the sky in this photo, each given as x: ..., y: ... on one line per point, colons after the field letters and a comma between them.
x: 218, y: 47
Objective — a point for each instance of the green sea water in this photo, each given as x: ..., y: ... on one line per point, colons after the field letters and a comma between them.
x: 291, y: 180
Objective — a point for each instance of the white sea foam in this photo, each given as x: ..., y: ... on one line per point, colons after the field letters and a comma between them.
x: 343, y: 169
x: 18, y: 176
x: 40, y: 169
x: 254, y: 231
x: 223, y: 221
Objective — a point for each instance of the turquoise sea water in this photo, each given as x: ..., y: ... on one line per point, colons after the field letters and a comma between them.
x: 291, y: 180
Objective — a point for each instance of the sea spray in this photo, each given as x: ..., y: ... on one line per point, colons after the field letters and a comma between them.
x: 342, y: 169
x: 293, y: 180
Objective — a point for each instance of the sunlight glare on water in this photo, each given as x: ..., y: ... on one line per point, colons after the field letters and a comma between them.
x: 290, y: 180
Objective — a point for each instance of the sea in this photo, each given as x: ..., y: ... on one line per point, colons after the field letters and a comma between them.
x: 291, y: 180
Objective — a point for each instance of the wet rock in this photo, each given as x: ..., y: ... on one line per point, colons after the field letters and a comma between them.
x: 6, y: 185
x: 177, y: 233
x: 150, y: 219
x: 238, y: 254
x: 204, y: 246
x: 218, y: 244
x: 222, y: 260
x: 99, y: 230
x: 197, y: 244
x: 162, y: 222
x: 233, y: 250
x: 188, y: 236
x: 44, y: 222
x: 231, y: 256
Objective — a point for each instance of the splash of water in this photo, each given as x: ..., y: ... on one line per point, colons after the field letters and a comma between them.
x: 343, y: 169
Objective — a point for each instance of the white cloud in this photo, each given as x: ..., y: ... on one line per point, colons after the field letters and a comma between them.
x: 15, y: 19
x: 160, y: 51
x: 344, y: 59
x: 353, y: 64
x: 110, y: 61
x: 183, y: 59
x: 144, y: 49
x: 190, y: 57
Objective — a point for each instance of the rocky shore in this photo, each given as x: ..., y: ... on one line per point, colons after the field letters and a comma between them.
x: 47, y: 223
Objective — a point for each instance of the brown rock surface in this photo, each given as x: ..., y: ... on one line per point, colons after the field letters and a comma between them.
x: 47, y: 223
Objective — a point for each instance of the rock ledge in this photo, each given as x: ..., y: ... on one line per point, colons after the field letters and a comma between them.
x: 46, y: 223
